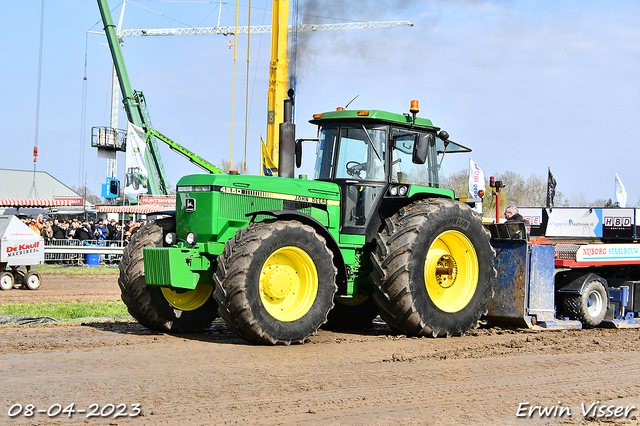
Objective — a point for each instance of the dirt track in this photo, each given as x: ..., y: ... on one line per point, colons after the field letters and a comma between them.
x: 360, y: 378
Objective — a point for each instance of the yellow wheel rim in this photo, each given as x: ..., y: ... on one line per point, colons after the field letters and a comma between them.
x: 451, y: 271
x: 288, y: 284
x: 189, y: 300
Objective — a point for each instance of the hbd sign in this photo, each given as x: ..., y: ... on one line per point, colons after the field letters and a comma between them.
x: 617, y: 222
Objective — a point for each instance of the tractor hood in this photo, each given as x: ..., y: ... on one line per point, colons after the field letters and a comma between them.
x: 211, y: 205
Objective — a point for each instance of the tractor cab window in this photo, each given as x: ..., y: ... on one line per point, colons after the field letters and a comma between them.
x: 327, y: 141
x: 361, y: 154
x: 403, y: 170
x: 358, y: 153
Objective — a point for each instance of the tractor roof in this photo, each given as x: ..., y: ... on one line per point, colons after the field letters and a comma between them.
x: 405, y: 120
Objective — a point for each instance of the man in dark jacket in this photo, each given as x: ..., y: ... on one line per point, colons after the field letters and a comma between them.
x: 83, y: 231
x: 512, y: 215
x: 58, y: 230
x: 111, y: 230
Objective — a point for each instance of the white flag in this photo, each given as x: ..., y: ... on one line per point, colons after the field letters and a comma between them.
x: 621, y: 194
x: 136, y: 178
x: 476, y: 183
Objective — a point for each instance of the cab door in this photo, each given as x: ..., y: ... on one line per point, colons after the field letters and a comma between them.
x: 360, y: 171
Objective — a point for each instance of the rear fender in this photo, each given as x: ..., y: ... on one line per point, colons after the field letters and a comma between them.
x: 577, y: 285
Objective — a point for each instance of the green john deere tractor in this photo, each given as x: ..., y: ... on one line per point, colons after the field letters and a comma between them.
x: 277, y: 257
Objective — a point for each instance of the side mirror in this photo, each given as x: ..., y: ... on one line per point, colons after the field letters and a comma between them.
x: 421, y: 148
x: 298, y: 154
x: 298, y: 150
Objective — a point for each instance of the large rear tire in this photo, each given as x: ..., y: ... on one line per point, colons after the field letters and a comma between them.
x: 275, y: 282
x: 433, y: 269
x: 158, y: 308
x: 590, y: 307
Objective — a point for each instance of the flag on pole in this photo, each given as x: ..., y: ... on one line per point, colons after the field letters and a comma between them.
x: 621, y: 193
x: 551, y: 189
x: 476, y: 183
x: 136, y: 177
x: 268, y: 167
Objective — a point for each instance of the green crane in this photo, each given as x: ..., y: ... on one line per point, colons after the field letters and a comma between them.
x: 136, y: 108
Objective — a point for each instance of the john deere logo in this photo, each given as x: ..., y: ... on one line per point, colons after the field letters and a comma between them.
x: 136, y: 150
x: 190, y: 205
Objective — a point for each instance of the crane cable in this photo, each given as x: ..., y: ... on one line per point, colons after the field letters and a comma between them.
x: 83, y: 112
x: 255, y: 74
x: 233, y: 94
x: 33, y: 190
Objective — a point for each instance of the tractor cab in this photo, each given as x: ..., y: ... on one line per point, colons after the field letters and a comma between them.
x: 373, y: 155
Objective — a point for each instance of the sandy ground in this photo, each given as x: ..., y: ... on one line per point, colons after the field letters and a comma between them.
x: 370, y: 377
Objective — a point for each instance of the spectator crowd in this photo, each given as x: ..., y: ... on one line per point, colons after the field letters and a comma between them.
x: 83, y: 229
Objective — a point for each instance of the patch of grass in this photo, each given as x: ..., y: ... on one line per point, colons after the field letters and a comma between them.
x: 71, y: 310
x: 76, y: 270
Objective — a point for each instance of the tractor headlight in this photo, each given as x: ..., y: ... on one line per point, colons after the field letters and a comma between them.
x: 195, y: 188
x: 192, y: 238
x: 398, y: 191
x: 171, y: 238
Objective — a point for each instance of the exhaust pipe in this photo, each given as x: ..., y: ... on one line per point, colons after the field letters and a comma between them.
x: 287, y: 153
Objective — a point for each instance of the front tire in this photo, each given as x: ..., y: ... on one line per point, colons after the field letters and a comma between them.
x: 433, y: 269
x: 32, y: 280
x: 275, y: 282
x: 158, y: 308
x: 6, y: 281
x: 590, y: 307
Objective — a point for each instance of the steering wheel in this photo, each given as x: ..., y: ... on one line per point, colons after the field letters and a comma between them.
x: 354, y: 168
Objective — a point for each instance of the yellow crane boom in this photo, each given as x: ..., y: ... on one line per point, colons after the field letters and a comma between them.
x: 277, y: 77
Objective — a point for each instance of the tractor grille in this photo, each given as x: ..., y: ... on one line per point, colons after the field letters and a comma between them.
x: 566, y: 251
x: 236, y: 207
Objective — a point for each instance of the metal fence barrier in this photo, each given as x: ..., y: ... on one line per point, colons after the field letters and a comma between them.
x: 83, y: 252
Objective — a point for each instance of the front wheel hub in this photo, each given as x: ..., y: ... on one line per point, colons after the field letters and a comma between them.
x: 278, y: 281
x: 288, y: 283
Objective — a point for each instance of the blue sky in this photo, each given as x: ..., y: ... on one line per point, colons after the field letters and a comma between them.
x: 526, y: 84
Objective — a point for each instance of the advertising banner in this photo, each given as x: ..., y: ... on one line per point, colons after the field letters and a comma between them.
x: 551, y: 189
x: 163, y: 201
x: 136, y: 177
x: 533, y: 215
x: 268, y: 167
x: 476, y: 183
x: 608, y: 253
x: 591, y: 222
x: 19, y: 245
x: 578, y: 222
x: 621, y: 193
